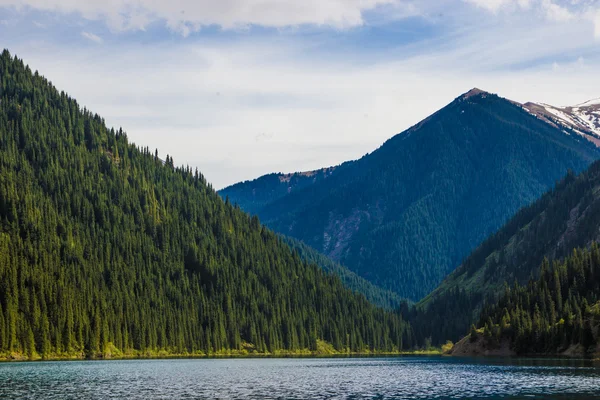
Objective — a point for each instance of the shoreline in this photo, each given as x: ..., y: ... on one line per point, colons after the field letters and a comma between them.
x: 563, y: 357
x: 18, y: 357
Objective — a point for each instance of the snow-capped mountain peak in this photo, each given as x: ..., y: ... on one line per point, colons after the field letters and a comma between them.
x: 583, y: 119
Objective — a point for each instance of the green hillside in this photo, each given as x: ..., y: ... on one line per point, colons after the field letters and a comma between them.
x: 105, y: 248
x: 559, y: 312
x: 565, y: 218
x: 374, y: 294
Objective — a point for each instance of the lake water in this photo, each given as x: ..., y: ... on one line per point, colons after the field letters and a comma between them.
x: 324, y: 378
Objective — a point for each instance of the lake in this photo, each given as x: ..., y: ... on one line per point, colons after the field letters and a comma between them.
x: 321, y: 378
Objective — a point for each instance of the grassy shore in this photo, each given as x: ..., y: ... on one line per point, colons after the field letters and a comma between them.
x: 324, y: 349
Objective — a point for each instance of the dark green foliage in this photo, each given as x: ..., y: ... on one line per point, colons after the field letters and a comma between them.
x: 407, y: 214
x: 445, y: 317
x: 101, y: 242
x: 382, y: 298
x: 271, y: 187
x: 473, y: 334
x: 565, y: 218
x: 558, y: 310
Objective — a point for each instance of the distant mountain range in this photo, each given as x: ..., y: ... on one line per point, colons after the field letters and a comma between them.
x: 407, y: 214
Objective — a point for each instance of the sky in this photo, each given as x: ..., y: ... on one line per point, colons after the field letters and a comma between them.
x: 241, y: 88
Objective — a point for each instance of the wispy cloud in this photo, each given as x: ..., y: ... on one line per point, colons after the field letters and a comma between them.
x: 92, y: 37
x: 595, y: 16
x: 186, y: 16
x: 553, y: 10
x: 556, y: 12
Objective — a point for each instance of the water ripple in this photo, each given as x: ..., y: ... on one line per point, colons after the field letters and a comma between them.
x: 367, y: 378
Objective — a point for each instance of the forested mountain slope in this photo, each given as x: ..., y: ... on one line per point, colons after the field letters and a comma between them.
x: 407, y: 214
x: 374, y: 294
x: 105, y: 248
x: 557, y: 313
x: 565, y: 218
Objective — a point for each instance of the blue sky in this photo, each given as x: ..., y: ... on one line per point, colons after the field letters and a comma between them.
x: 240, y: 88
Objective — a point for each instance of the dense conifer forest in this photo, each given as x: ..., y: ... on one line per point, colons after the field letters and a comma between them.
x: 552, y: 314
x: 376, y: 295
x: 106, y: 247
x: 564, y: 218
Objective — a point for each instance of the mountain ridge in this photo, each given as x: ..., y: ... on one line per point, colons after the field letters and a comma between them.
x: 405, y: 215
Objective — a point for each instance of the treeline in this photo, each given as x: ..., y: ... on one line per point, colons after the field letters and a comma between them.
x: 554, y: 312
x: 105, y: 245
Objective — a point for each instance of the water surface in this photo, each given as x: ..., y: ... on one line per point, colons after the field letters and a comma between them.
x: 341, y: 378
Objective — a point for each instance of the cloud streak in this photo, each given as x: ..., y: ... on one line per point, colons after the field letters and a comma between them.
x: 92, y: 37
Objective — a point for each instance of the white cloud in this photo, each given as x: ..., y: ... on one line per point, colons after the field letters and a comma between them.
x: 185, y: 16
x: 595, y: 17
x: 92, y: 37
x: 496, y: 5
x: 555, y: 12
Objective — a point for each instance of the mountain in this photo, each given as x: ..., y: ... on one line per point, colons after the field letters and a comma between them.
x: 559, y: 313
x: 405, y: 215
x: 565, y: 218
x: 274, y: 186
x: 106, y: 250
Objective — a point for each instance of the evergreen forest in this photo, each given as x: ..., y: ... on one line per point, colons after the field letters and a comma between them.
x: 549, y: 315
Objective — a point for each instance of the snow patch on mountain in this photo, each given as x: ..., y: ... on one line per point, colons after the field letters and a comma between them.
x: 583, y: 119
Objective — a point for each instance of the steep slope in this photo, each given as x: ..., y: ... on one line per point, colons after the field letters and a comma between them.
x: 405, y: 215
x: 565, y: 218
x: 559, y: 313
x: 106, y: 249
x: 258, y: 193
x: 374, y: 294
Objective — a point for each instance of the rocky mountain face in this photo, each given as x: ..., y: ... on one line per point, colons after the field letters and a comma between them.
x: 405, y: 215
